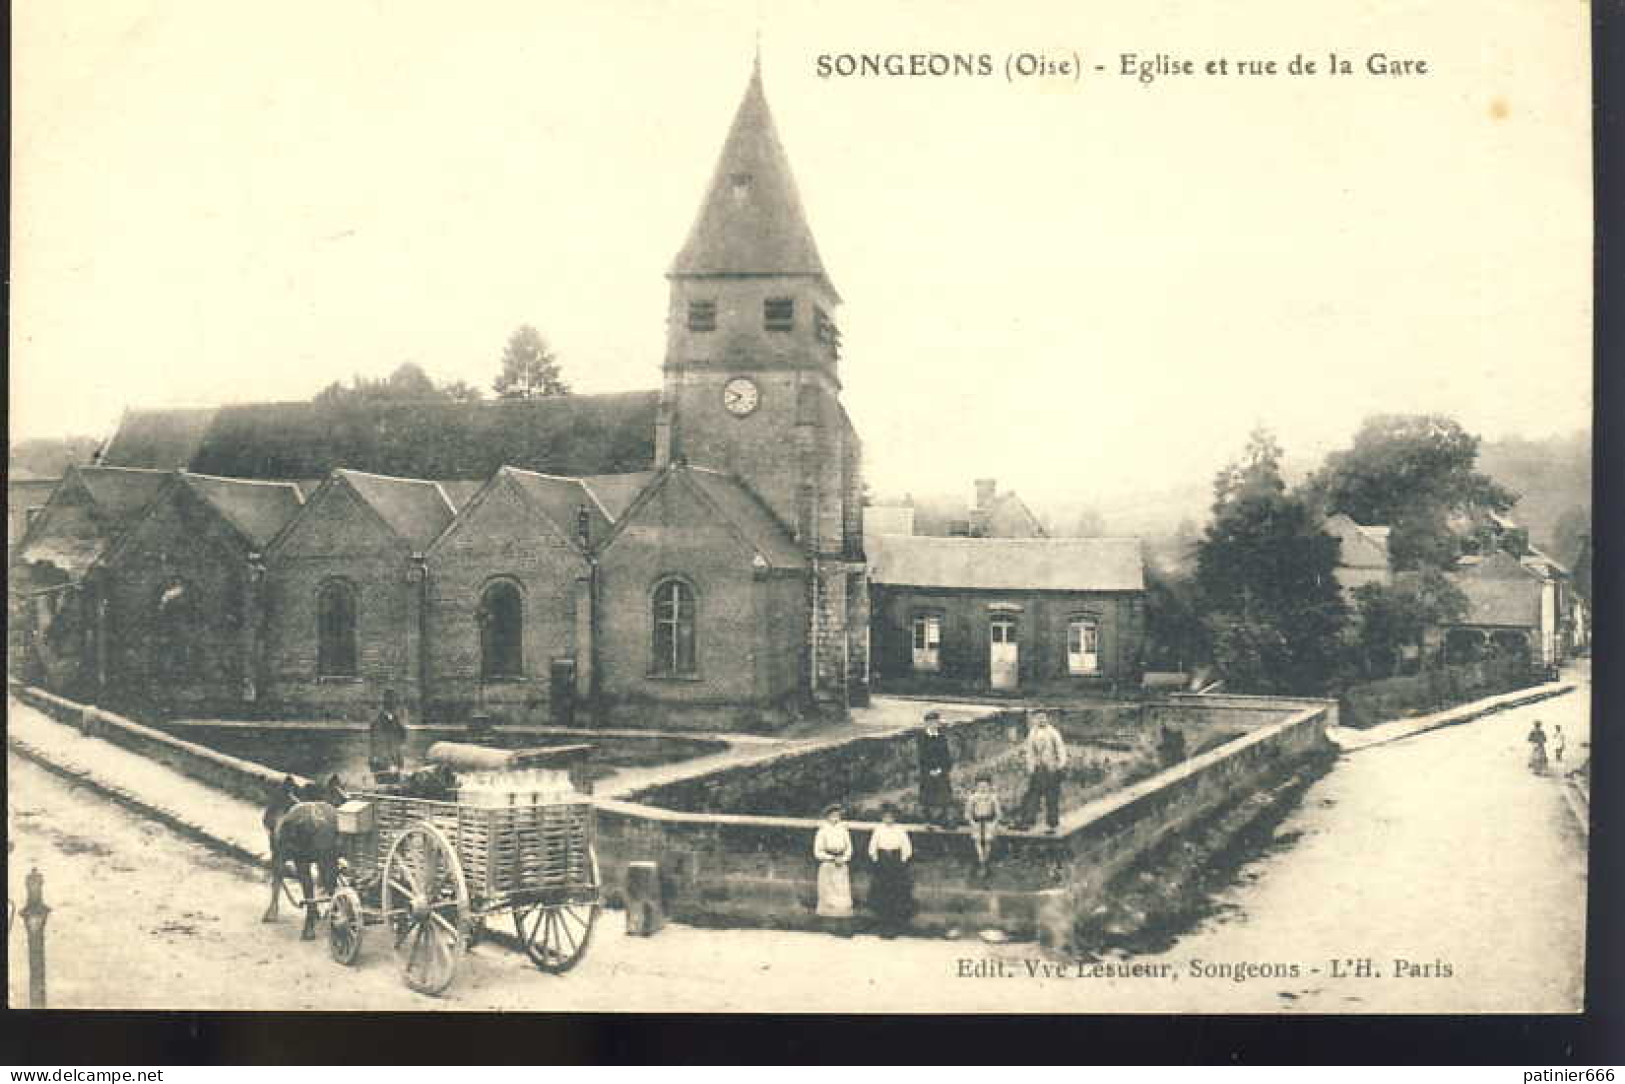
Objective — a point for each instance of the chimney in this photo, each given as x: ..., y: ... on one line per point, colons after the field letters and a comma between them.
x: 985, y: 488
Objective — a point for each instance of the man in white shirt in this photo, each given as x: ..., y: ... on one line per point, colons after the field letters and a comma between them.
x: 1045, y: 755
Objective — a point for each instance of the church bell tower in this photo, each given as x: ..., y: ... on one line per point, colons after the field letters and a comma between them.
x: 752, y: 378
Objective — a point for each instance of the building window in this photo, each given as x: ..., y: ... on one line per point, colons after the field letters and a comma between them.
x: 779, y: 313
x: 1083, y: 646
x: 702, y: 316
x: 335, y: 630
x: 502, y: 631
x: 826, y: 331
x: 673, y: 628
x: 928, y: 642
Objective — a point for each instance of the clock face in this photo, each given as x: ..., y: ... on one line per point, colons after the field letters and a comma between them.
x: 740, y: 396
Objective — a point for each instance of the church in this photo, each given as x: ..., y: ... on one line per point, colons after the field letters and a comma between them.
x: 687, y: 557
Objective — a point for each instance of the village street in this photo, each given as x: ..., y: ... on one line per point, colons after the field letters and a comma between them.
x: 1441, y: 849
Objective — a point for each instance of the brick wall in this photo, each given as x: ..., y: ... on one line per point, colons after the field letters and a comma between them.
x: 743, y: 654
x: 181, y: 544
x: 340, y: 539
x: 501, y: 538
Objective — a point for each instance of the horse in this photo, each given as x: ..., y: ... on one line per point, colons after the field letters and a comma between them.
x: 303, y: 826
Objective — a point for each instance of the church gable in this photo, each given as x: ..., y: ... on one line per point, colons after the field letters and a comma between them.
x: 178, y: 526
x: 501, y: 518
x: 686, y: 507
x: 336, y: 522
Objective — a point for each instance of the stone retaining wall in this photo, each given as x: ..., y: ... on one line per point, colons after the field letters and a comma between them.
x: 738, y: 869
x: 239, y: 778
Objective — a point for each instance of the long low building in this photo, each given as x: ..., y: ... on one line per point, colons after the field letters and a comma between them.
x: 1018, y: 615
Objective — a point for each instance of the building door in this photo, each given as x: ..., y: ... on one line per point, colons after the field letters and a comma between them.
x: 927, y: 643
x: 1004, y: 653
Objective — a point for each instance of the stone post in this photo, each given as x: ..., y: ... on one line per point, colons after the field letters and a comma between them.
x: 35, y: 912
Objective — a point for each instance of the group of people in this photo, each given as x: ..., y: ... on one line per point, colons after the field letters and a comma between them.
x: 1043, y: 755
x: 1537, y: 745
x: 891, y: 895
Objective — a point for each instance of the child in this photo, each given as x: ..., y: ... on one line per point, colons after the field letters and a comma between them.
x: 982, y: 815
x: 1558, y: 742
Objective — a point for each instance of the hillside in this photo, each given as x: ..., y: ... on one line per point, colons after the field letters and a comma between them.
x: 1553, y: 479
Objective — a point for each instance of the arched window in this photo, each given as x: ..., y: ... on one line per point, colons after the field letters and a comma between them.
x: 335, y: 629
x: 502, y: 631
x: 1083, y: 645
x: 673, y: 628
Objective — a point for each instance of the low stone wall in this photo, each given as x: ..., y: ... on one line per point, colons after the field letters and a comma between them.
x: 802, y: 782
x: 240, y: 778
x: 739, y: 869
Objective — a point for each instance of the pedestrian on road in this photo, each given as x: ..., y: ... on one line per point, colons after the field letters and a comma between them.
x: 1559, y: 743
x: 891, y: 887
x: 1537, y: 748
x: 386, y: 740
x: 1045, y: 756
x: 832, y: 847
x: 936, y: 774
x: 982, y: 813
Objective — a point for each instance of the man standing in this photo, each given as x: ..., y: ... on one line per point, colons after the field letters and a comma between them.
x: 936, y: 773
x: 386, y: 740
x: 1045, y: 755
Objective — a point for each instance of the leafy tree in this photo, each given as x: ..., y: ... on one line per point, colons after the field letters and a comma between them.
x: 1415, y: 473
x: 407, y: 384
x: 1265, y: 580
x: 1176, y: 637
x: 461, y: 391
x: 1392, y: 617
x: 529, y: 368
x: 49, y: 457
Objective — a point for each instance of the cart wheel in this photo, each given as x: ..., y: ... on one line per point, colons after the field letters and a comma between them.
x: 344, y: 926
x: 425, y: 903
x: 555, y: 935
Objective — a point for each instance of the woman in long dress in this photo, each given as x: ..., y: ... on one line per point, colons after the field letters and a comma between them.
x: 832, y: 847
x: 891, y: 889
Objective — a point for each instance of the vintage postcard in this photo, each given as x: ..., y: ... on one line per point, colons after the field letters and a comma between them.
x: 861, y: 507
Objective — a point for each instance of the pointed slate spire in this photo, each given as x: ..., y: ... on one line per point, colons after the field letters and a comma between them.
x: 751, y: 222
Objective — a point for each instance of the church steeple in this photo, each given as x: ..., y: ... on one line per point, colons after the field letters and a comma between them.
x: 751, y: 222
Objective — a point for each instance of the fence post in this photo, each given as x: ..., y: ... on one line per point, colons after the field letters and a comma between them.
x: 35, y: 912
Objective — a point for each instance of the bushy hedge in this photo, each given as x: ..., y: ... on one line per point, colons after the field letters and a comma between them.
x: 1432, y: 690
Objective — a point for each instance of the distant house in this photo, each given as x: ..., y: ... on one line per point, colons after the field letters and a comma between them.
x: 26, y: 494
x: 1364, y: 555
x: 990, y: 514
x: 1514, y: 606
x: 1028, y: 615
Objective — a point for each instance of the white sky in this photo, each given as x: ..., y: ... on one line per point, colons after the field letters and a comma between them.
x: 1087, y: 290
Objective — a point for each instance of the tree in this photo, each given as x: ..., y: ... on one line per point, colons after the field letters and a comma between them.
x: 1176, y: 637
x: 529, y: 368
x: 1414, y: 473
x: 407, y: 384
x: 1392, y: 617
x: 461, y: 391
x: 1265, y: 580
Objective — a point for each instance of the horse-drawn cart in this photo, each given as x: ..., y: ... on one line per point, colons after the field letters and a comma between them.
x: 431, y: 872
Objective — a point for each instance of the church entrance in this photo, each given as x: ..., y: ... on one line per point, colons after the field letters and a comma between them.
x: 1004, y: 653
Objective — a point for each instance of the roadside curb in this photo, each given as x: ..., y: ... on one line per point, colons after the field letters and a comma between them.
x: 167, y: 817
x: 1579, y: 804
x: 1466, y: 715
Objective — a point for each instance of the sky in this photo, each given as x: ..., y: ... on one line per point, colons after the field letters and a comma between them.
x: 1088, y: 289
